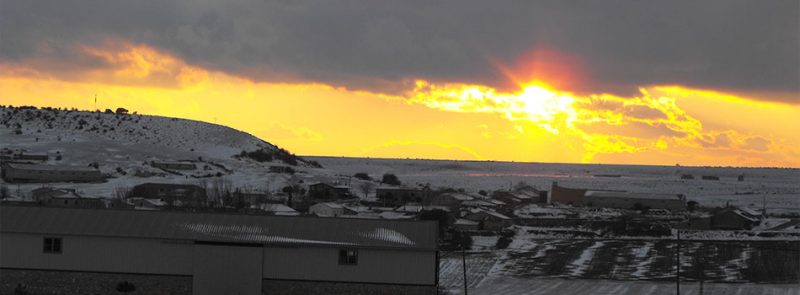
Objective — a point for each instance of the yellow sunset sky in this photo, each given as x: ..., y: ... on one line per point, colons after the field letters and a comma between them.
x: 534, y: 121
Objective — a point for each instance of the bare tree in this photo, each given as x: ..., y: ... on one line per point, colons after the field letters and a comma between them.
x: 220, y: 188
x: 366, y: 187
x: 121, y: 193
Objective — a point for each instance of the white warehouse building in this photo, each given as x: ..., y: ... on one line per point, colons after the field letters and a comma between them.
x: 98, y: 251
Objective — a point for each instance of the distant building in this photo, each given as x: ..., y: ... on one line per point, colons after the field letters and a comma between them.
x: 520, y: 196
x: 278, y: 209
x: 629, y: 200
x: 36, y: 173
x: 174, y: 165
x: 185, y: 194
x: 687, y: 176
x: 488, y: 220
x: 147, y: 204
x: 709, y: 177
x: 566, y: 196
x: 466, y: 225
x: 168, y: 252
x: 735, y: 219
x: 323, y: 190
x: 61, y: 197
x: 570, y: 196
x: 327, y: 209
x: 32, y: 157
x: 402, y: 195
x: 451, y: 200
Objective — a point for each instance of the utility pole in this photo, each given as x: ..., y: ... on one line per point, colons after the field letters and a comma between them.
x: 678, y: 263
x: 464, y: 263
x: 699, y: 261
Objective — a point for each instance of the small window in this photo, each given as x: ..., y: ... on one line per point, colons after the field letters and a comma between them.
x: 52, y: 245
x: 348, y: 257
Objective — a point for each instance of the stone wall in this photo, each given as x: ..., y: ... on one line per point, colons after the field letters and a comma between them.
x: 70, y: 282
x: 281, y: 287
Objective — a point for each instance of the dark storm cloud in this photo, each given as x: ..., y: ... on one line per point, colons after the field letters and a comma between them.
x: 729, y: 45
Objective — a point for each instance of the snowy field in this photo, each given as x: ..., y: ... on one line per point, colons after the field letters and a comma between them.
x: 777, y: 187
x: 514, y: 286
x: 624, y: 267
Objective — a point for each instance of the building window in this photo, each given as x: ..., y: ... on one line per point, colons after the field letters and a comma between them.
x: 348, y: 257
x: 52, y: 245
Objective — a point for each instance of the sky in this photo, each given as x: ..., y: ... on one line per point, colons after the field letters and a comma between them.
x: 625, y: 82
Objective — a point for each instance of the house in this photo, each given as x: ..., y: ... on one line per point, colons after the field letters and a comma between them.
x: 185, y: 194
x: 38, y: 173
x: 401, y: 195
x: 521, y: 196
x: 327, y: 209
x: 735, y: 218
x: 62, y: 197
x: 323, y: 190
x: 170, y: 252
x: 451, y: 200
x: 174, y: 165
x: 466, y: 225
x: 637, y: 201
x: 487, y: 219
x: 709, y: 177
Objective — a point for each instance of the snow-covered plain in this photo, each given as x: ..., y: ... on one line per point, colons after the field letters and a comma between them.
x: 778, y: 187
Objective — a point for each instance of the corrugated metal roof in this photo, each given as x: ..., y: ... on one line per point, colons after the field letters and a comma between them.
x: 220, y: 227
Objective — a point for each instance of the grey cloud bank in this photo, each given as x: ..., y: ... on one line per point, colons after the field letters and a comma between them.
x: 380, y: 45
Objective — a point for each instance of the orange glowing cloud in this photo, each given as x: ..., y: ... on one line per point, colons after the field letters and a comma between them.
x: 545, y: 65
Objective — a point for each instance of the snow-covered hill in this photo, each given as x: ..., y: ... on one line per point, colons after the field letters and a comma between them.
x: 125, y: 145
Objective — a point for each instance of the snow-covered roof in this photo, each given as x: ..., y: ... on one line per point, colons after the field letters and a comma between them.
x: 489, y: 212
x: 749, y: 211
x: 50, y: 167
x: 742, y: 214
x: 395, y: 215
x: 462, y: 221
x: 410, y: 207
x: 218, y: 227
x: 330, y: 205
x: 276, y: 208
x: 459, y: 196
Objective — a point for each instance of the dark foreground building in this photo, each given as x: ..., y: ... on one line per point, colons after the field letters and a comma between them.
x: 101, y: 251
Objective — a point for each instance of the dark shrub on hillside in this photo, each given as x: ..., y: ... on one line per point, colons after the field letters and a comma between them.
x: 391, y: 179
x: 362, y: 176
x: 285, y: 156
x: 260, y: 155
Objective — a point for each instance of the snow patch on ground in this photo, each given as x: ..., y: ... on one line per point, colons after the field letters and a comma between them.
x: 579, y: 266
